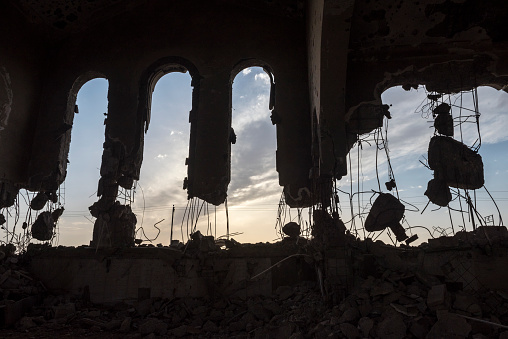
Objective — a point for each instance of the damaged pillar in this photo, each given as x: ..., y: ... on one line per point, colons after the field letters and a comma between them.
x: 327, y: 60
x: 121, y: 161
x: 210, y: 169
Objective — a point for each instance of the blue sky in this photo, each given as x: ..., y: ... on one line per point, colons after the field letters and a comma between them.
x: 254, y: 192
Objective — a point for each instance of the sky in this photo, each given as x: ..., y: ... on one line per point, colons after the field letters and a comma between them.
x: 254, y: 193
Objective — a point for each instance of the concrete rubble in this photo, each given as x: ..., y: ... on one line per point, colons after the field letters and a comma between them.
x: 389, y: 296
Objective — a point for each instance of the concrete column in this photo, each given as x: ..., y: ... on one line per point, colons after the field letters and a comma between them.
x: 211, y: 165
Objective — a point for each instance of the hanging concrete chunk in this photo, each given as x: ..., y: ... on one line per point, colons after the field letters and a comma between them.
x: 438, y: 192
x: 42, y: 229
x: 455, y: 163
x: 39, y: 201
x: 444, y: 124
x: 291, y: 229
x: 387, y: 211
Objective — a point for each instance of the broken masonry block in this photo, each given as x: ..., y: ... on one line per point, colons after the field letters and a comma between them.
x: 116, y: 228
x: 390, y: 184
x: 291, y: 229
x: 398, y: 230
x: 39, y: 201
x: 56, y: 214
x: 42, y: 229
x: 412, y: 238
x: 443, y: 108
x: 386, y: 211
x: 53, y: 196
x: 438, y: 192
x: 455, y: 163
x: 444, y: 124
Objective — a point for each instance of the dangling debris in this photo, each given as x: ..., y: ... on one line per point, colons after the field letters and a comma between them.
x: 387, y: 211
x: 56, y: 214
x: 42, y: 229
x: 443, y: 108
x: 455, y: 163
x: 2, y: 219
x: 438, y: 192
x: 39, y: 201
x: 390, y: 184
x: 291, y: 229
x: 443, y: 119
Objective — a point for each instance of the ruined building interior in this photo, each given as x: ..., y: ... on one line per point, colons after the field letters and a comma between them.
x: 327, y: 62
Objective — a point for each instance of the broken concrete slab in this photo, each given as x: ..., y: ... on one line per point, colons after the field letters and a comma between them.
x: 455, y: 163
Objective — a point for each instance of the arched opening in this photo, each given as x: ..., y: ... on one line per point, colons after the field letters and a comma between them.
x: 166, y: 147
x: 83, y: 170
x: 402, y: 155
x: 254, y: 192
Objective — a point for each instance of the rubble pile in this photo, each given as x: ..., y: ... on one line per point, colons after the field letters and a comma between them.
x: 388, y: 298
x: 392, y: 306
x: 19, y: 290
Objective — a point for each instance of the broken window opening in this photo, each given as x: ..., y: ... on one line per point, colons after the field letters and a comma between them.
x: 254, y: 192
x: 85, y: 153
x: 166, y: 147
x: 375, y: 167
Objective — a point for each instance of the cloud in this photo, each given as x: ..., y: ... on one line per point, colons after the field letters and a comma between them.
x: 246, y: 71
x: 262, y: 77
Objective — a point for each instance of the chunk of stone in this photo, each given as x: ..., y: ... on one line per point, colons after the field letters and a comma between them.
x: 125, y: 326
x: 39, y: 201
x: 56, y: 214
x: 210, y: 326
x: 438, y: 192
x: 64, y: 310
x: 284, y: 292
x: 386, y: 211
x: 450, y: 326
x: 365, y: 324
x: 392, y: 328
x: 43, y: 227
x: 444, y: 124
x: 350, y: 315
x: 350, y: 331
x: 153, y: 326
x: 436, y: 296
x: 26, y: 323
x: 455, y: 163
x: 291, y: 229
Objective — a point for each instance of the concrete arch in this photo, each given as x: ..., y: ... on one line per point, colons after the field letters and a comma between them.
x: 71, y: 109
x: 246, y: 63
x: 148, y: 80
x: 157, y: 70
